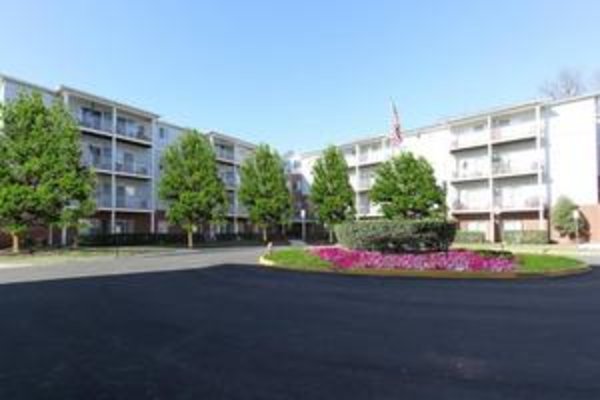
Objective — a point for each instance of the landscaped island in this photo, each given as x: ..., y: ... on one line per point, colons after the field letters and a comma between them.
x: 453, y: 263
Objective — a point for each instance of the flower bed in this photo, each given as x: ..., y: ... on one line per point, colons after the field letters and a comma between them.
x: 454, y: 260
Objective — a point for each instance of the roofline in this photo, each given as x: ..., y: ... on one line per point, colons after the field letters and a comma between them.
x: 100, y: 99
x: 171, y: 125
x: 231, y: 138
x: 4, y: 77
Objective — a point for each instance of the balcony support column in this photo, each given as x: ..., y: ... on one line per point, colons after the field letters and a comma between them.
x: 492, y: 227
x: 540, y: 168
x: 113, y: 177
x: 357, y: 172
x: 152, y: 175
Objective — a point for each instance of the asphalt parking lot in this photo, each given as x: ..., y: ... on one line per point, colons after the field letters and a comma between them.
x: 238, y: 331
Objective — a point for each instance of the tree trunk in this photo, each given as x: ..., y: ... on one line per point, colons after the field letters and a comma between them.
x: 330, y: 235
x: 15, y: 243
x: 76, y: 238
x: 190, y: 239
x: 264, y: 234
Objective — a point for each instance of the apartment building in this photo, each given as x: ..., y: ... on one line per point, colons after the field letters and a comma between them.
x: 503, y: 169
x: 124, y: 144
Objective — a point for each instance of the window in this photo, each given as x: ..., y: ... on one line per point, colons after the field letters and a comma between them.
x: 162, y: 133
x: 479, y: 127
x: 502, y: 122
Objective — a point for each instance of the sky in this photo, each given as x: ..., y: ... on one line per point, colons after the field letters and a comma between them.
x: 300, y: 75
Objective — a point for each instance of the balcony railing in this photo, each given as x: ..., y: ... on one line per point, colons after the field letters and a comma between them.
x: 225, y: 154
x: 133, y: 167
x: 469, y: 140
x: 459, y: 205
x: 462, y: 174
x: 133, y: 202
x: 515, y: 132
x: 530, y: 202
x: 104, y: 163
x: 103, y: 200
x: 365, y: 183
x: 133, y: 130
x: 507, y: 167
x: 228, y: 179
x: 364, y: 209
x: 96, y: 123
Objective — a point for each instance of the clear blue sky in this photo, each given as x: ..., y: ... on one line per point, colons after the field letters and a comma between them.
x: 300, y: 74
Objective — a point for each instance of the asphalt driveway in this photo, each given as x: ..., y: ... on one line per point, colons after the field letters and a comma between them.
x: 242, y: 332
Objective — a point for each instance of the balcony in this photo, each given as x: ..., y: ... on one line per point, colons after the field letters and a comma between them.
x: 103, y: 200
x: 365, y: 183
x: 96, y: 123
x: 469, y: 176
x: 514, y: 133
x: 463, y: 207
x: 509, y: 168
x: 133, y: 130
x: 133, y: 202
x: 527, y: 203
x: 371, y: 157
x: 137, y: 168
x: 228, y: 178
x: 225, y: 153
x: 469, y: 141
x: 99, y: 163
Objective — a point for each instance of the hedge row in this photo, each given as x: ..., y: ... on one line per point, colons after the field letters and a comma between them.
x: 525, y: 237
x: 161, y: 239
x: 396, y: 235
x: 469, y: 237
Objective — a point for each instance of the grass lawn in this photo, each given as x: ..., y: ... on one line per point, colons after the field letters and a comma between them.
x: 53, y: 256
x: 300, y: 259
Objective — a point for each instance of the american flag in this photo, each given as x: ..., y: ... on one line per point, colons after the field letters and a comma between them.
x: 396, y: 134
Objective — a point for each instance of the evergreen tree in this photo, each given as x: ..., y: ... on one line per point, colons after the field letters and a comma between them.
x: 331, y: 194
x: 190, y: 184
x: 41, y: 173
x: 563, y: 220
x: 405, y: 187
x: 264, y: 190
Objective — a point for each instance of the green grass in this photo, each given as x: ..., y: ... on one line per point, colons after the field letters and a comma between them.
x: 544, y: 262
x: 300, y: 259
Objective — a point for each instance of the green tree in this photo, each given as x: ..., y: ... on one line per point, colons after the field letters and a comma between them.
x: 263, y: 189
x: 41, y: 173
x: 563, y: 220
x: 73, y: 216
x: 331, y: 194
x: 190, y: 184
x: 405, y: 187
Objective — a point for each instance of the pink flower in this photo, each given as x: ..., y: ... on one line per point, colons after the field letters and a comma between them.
x: 453, y: 260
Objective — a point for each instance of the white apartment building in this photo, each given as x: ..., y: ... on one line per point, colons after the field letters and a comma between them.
x: 124, y: 144
x: 503, y: 169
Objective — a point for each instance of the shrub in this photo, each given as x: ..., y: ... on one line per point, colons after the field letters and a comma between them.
x: 525, y: 237
x: 396, y: 235
x: 469, y: 237
x: 562, y: 218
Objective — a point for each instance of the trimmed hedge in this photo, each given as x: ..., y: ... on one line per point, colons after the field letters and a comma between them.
x: 173, y: 239
x: 469, y: 237
x: 396, y: 235
x: 525, y: 237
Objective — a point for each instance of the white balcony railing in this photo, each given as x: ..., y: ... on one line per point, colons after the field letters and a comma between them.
x: 515, y: 131
x: 133, y: 167
x: 468, y: 140
x: 103, y: 200
x: 225, y: 153
x: 514, y: 167
x: 470, y: 174
x: 460, y: 205
x: 523, y: 203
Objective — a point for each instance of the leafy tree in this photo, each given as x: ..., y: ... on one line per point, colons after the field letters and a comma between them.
x: 263, y: 189
x: 562, y: 218
x: 190, y: 184
x: 41, y: 173
x: 73, y: 216
x: 331, y: 194
x: 405, y: 187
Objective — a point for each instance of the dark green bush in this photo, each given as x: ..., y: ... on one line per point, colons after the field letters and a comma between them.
x: 469, y: 237
x: 495, y: 253
x: 171, y: 239
x: 525, y: 237
x: 396, y: 235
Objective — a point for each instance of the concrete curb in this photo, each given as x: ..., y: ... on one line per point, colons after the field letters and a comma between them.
x: 560, y: 273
